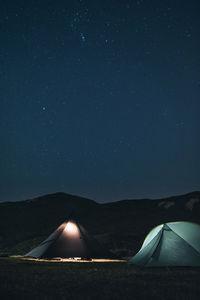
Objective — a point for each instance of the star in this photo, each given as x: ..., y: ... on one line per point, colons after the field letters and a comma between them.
x: 83, y: 37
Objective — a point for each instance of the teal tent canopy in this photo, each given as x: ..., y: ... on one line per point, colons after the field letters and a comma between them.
x: 170, y: 244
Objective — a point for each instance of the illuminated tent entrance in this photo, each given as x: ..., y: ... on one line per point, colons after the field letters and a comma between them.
x: 170, y: 244
x: 70, y: 240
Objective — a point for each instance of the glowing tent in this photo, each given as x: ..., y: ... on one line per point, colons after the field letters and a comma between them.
x: 170, y: 244
x: 70, y: 240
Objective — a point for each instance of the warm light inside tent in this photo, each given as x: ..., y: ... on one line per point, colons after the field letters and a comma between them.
x: 71, y: 228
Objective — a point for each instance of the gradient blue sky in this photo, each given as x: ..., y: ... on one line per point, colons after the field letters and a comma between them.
x: 99, y: 98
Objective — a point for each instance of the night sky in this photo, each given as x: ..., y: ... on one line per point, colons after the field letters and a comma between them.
x: 99, y: 98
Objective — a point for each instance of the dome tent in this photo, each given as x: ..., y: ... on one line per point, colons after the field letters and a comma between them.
x: 170, y: 244
x: 70, y: 240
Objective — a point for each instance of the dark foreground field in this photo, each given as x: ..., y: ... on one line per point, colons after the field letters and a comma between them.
x: 56, y: 280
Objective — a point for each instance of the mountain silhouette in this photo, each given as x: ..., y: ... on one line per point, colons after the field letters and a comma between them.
x: 121, y: 226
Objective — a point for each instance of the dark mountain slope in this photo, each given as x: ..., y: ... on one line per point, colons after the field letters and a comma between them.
x: 121, y: 225
x: 38, y: 217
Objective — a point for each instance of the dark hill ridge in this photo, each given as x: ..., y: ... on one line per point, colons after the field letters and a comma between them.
x: 122, y: 225
x: 60, y: 196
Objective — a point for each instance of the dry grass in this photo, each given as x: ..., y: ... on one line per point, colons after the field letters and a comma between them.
x: 32, y: 279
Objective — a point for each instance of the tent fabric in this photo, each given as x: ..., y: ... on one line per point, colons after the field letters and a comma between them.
x: 170, y: 244
x: 70, y: 240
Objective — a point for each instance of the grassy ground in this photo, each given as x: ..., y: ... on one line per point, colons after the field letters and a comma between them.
x: 56, y: 280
